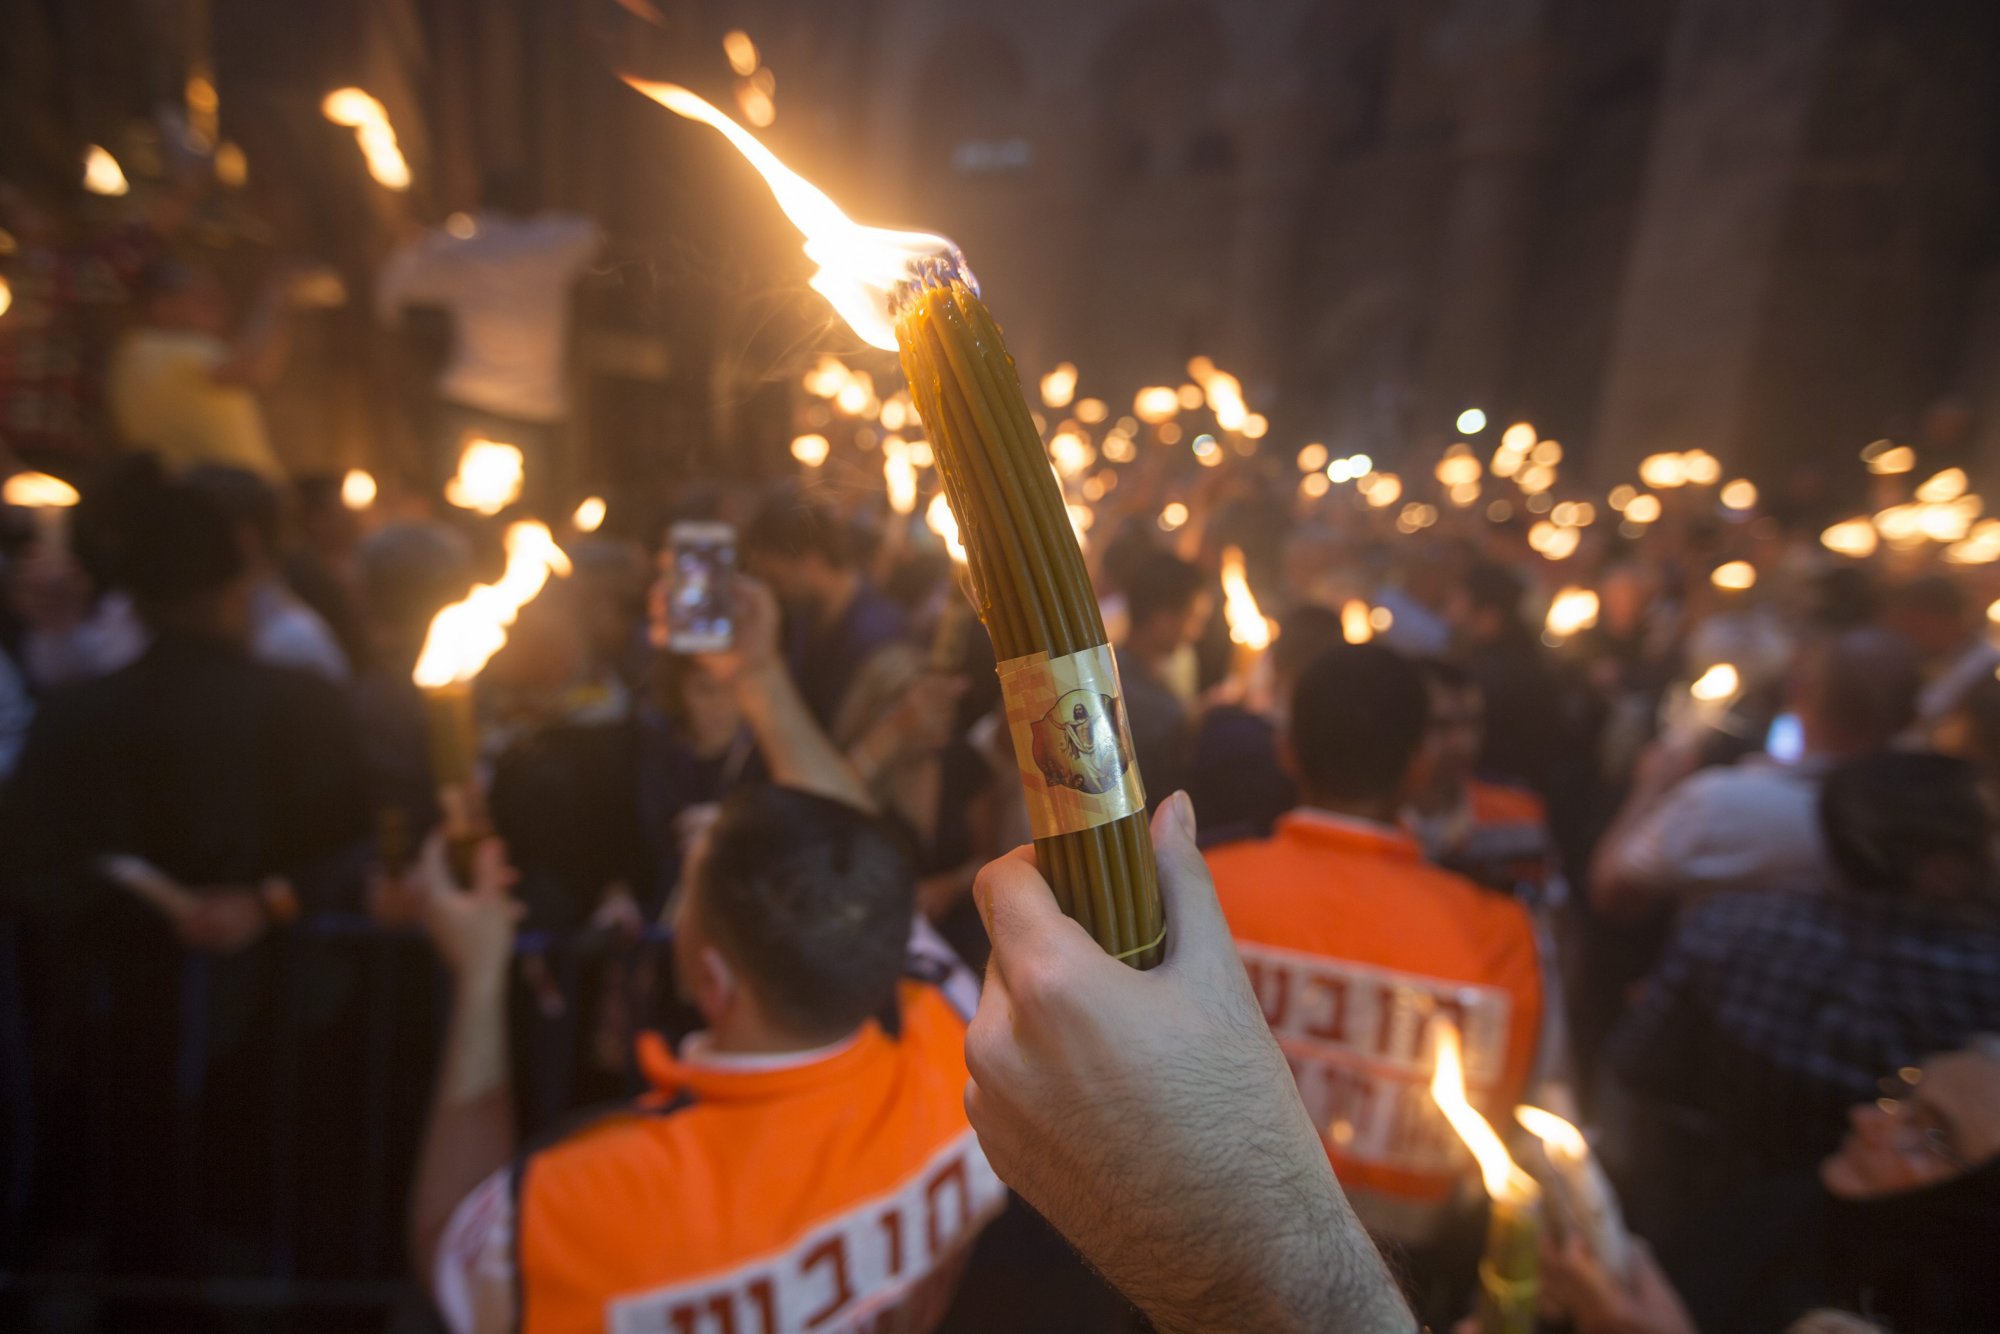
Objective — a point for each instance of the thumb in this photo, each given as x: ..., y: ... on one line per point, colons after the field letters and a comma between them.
x: 1196, y: 930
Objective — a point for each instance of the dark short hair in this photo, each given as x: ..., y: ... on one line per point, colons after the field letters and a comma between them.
x: 1304, y: 632
x: 1908, y: 823
x: 1868, y: 682
x: 246, y: 498
x: 1163, y: 582
x: 793, y: 526
x: 813, y: 901
x: 1359, y: 713
x: 1445, y: 674
x: 178, y: 547
x: 1492, y: 587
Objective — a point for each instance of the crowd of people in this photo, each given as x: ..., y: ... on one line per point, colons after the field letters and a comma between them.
x: 753, y: 1012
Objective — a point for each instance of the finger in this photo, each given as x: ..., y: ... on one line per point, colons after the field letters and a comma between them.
x: 1196, y: 929
x: 491, y: 875
x: 1021, y: 916
x: 434, y: 879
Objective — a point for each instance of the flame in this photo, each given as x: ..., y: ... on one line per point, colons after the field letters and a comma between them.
x: 1173, y: 516
x: 38, y: 490
x: 1979, y: 547
x: 1224, y: 393
x: 811, y: 449
x: 1356, y: 625
x: 1573, y: 610
x: 465, y: 635
x: 1701, y: 467
x: 1059, y: 386
x: 1553, y: 541
x: 489, y: 477
x: 232, y: 168
x: 1314, y: 485
x: 1735, y: 577
x: 1718, y: 683
x: 1740, y: 494
x: 1886, y: 458
x: 1071, y: 453
x: 1946, y: 486
x: 355, y: 109
x: 945, y: 524
x: 357, y: 489
x: 859, y: 267
x: 1247, y: 623
x: 740, y: 51
x: 589, y: 516
x: 1312, y: 457
x: 1642, y: 509
x: 1504, y: 1181
x: 899, y: 474
x: 1156, y: 404
x: 1381, y: 489
x: 1562, y: 1139
x: 6, y: 296
x: 1458, y: 467
x: 101, y: 173
x: 1663, y: 472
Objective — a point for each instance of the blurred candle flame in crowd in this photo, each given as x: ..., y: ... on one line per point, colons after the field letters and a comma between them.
x: 1071, y: 453
x: 1573, y: 611
x: 1718, y: 683
x: 489, y: 477
x: 465, y: 635
x: 1942, y: 488
x: 1851, y: 537
x: 1886, y: 458
x: 358, y: 489
x: 356, y: 110
x: 1248, y: 625
x: 232, y: 168
x: 38, y: 490
x: 1156, y: 404
x: 1356, y: 626
x: 859, y: 267
x: 1380, y: 489
x: 1503, y: 1180
x: 1190, y: 396
x: 1642, y: 509
x: 1553, y: 541
x: 589, y: 516
x: 1979, y: 547
x: 899, y: 475
x: 1312, y: 457
x: 1173, y: 516
x: 811, y: 449
x: 1735, y: 576
x: 1314, y: 485
x: 740, y: 51
x: 1663, y: 472
x: 1701, y: 467
x: 1224, y: 393
x: 6, y: 295
x: 1993, y: 616
x: 1458, y: 467
x: 101, y: 173
x: 1091, y: 411
x: 1059, y: 386
x: 945, y: 524
x: 1740, y: 494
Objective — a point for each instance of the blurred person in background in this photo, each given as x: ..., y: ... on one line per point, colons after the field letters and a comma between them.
x: 284, y: 630
x: 1770, y: 1013
x: 183, y: 386
x: 1350, y: 939
x: 505, y: 274
x: 836, y: 620
x: 1937, y: 619
x: 1685, y: 831
x: 1167, y: 608
x: 322, y: 566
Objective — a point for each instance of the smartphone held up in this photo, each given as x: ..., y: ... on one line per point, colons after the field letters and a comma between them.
x: 700, y: 584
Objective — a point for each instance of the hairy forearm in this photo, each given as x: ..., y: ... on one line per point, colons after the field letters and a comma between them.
x: 471, y: 1130
x: 799, y: 753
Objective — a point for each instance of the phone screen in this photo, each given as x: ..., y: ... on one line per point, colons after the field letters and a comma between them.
x: 1786, y: 741
x: 699, y: 611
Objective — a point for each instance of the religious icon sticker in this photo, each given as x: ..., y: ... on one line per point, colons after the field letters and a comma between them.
x: 1067, y: 718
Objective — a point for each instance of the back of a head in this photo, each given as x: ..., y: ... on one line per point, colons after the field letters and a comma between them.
x: 1909, y: 824
x: 1494, y: 589
x: 1163, y: 582
x: 178, y: 550
x: 791, y: 526
x: 1864, y: 686
x: 812, y: 900
x: 250, y: 502
x: 1358, y: 718
x: 408, y: 572
x: 1933, y: 595
x: 1304, y: 632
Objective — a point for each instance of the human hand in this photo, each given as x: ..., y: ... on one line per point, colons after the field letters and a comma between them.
x: 1151, y: 1117
x: 471, y: 928
x: 1575, y: 1284
x: 754, y: 612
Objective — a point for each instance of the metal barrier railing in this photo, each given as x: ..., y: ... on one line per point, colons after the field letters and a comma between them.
x: 304, y: 1065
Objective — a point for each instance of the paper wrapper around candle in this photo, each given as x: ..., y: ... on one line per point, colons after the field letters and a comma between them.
x: 1510, y: 1271
x: 1065, y: 710
x: 453, y: 736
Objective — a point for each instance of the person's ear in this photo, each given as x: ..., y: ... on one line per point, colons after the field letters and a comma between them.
x: 715, y: 988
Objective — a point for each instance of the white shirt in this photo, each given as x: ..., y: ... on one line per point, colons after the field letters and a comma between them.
x: 285, y: 632
x: 507, y: 287
x: 1754, y: 825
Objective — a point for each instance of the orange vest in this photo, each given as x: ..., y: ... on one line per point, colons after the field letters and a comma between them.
x: 1353, y: 943
x: 841, y: 1194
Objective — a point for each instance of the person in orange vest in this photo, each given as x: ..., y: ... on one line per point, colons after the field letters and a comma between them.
x: 794, y: 1166
x: 1354, y: 945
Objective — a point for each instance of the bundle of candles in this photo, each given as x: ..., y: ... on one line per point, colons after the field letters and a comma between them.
x: 910, y: 292
x: 1064, y: 706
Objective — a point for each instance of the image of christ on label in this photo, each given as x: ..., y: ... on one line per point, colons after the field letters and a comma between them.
x: 1077, y: 743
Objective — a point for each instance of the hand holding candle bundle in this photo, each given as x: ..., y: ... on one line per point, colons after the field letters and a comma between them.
x: 1510, y: 1271
x: 1583, y: 1196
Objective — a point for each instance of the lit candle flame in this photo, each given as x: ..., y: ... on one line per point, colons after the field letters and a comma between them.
x: 1718, y: 683
x: 1173, y: 515
x: 1735, y: 576
x: 6, y: 296
x: 1663, y: 472
x: 101, y: 173
x: 1156, y: 404
x: 465, y: 635
x: 1886, y: 458
x: 1946, y: 486
x: 1357, y: 626
x: 740, y: 51
x: 1642, y: 509
x: 945, y: 524
x: 1558, y: 1136
x: 899, y: 474
x: 357, y: 489
x: 357, y: 111
x: 1503, y: 1180
x: 38, y: 490
x: 811, y: 449
x: 1059, y: 386
x: 859, y: 267
x: 1573, y: 611
x: 1224, y: 393
x: 1740, y: 494
x: 1248, y: 625
x: 489, y: 478
x: 589, y: 516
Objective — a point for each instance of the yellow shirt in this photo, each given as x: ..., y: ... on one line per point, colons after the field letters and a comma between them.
x: 165, y: 399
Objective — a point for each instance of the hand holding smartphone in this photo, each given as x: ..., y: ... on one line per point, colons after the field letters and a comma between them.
x: 701, y: 583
